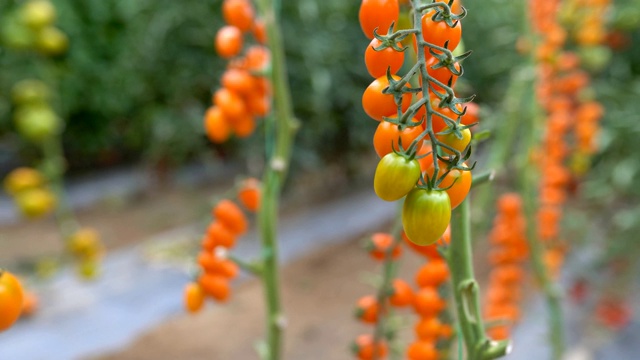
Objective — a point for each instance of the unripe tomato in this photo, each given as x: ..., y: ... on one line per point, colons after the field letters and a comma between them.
x: 85, y: 244
x: 37, y: 123
x: 378, y: 14
x: 451, y: 139
x: 395, y: 176
x: 30, y: 91
x: 88, y: 269
x: 387, y: 137
x: 15, y: 34
x: 438, y: 32
x: 426, y: 215
x: 378, y: 105
x: 35, y: 202
x: 378, y: 62
x: 52, y: 41
x: 38, y: 13
x: 11, y: 299
x: 228, y: 41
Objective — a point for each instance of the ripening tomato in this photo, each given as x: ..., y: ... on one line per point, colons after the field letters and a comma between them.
x: 228, y: 41
x: 238, y: 80
x: 433, y: 273
x: 378, y: 105
x: 388, y: 137
x: 427, y: 302
x: 402, y: 293
x: 428, y: 329
x: 437, y: 122
x: 378, y: 62
x: 426, y: 215
x: 215, y: 286
x: 458, y: 142
x: 379, y: 246
x: 193, y: 298
x: 438, y: 32
x: 230, y: 103
x: 422, y: 350
x: 22, y: 178
x: 11, y: 298
x: 230, y: 215
x: 365, y: 350
x: 38, y: 14
x: 367, y: 309
x: 259, y: 31
x: 52, y: 41
x: 249, y: 194
x: 457, y: 181
x: 30, y: 91
x: 395, y: 176
x: 378, y: 14
x: 238, y: 13
x: 216, y: 125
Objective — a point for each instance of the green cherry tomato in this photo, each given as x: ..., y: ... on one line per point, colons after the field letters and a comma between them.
x: 426, y: 215
x: 395, y: 176
x: 37, y: 122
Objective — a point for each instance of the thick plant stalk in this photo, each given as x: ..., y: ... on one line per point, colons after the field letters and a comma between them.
x: 280, y: 130
x: 466, y: 290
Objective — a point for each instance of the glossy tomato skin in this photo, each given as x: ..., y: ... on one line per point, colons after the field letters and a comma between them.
x: 387, y: 137
x: 395, y: 176
x: 378, y: 105
x: 378, y: 14
x: 438, y: 32
x: 426, y: 215
x: 378, y: 62
x: 11, y: 298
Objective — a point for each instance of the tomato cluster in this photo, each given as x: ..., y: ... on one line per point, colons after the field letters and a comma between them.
x: 425, y: 301
x: 406, y: 138
x: 30, y: 191
x: 32, y: 27
x: 509, y: 251
x: 229, y: 222
x: 245, y: 94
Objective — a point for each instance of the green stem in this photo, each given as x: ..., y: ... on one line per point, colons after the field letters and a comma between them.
x: 390, y: 268
x: 467, y: 292
x: 280, y: 132
x: 54, y: 167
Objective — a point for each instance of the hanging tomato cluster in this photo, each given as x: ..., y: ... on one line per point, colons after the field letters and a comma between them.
x: 32, y: 27
x: 245, y: 94
x: 216, y: 269
x: 29, y: 189
x: 569, y: 115
x: 509, y: 252
x: 423, y: 142
x: 426, y: 302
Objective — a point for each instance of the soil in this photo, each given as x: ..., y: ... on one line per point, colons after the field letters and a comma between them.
x: 319, y: 293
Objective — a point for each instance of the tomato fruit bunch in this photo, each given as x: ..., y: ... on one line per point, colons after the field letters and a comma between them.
x: 245, y: 94
x: 407, y: 137
x: 31, y: 193
x: 32, y: 27
x: 87, y: 248
x: 216, y: 269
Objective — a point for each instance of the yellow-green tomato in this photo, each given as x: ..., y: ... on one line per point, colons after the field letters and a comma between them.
x: 30, y: 91
x: 458, y: 141
x: 52, y: 41
x: 38, y: 13
x: 426, y: 215
x: 395, y: 176
x: 37, y: 122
